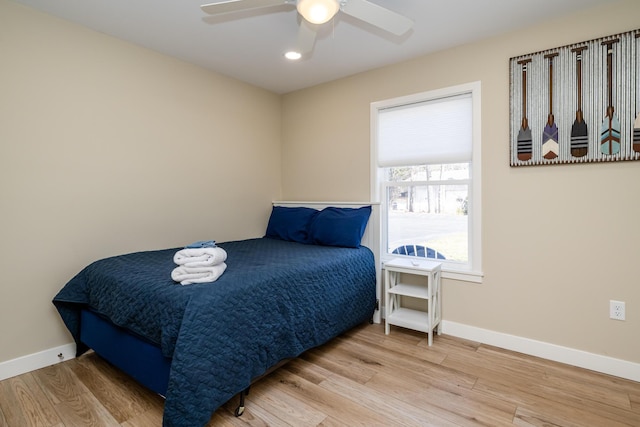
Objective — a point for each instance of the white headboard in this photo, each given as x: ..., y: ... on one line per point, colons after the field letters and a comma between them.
x: 370, y: 239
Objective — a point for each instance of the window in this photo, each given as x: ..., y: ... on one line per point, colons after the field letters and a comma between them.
x: 426, y: 176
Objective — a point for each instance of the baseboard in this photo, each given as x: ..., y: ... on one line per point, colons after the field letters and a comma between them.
x: 31, y: 362
x: 595, y: 362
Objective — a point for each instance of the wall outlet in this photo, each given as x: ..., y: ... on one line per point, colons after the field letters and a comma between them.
x: 617, y: 310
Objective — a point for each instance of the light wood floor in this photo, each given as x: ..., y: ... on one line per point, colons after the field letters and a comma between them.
x: 362, y: 378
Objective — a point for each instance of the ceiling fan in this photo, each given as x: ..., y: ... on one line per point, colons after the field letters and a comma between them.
x: 316, y: 12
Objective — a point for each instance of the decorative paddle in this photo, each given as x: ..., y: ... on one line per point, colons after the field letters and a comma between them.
x: 550, y: 133
x: 610, y: 128
x: 636, y: 124
x: 579, y: 134
x: 524, y: 147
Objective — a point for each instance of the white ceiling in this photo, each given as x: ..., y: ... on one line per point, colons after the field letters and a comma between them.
x: 250, y: 46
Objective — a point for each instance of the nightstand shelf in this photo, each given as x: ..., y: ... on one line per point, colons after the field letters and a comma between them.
x: 426, y: 320
x: 415, y: 291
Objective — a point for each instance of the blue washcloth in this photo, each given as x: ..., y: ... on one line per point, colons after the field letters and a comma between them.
x: 202, y: 244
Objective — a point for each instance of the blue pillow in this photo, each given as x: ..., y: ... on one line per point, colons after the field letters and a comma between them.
x: 291, y: 224
x: 339, y: 226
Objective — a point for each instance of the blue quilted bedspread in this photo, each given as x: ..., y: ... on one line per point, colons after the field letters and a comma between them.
x: 275, y: 300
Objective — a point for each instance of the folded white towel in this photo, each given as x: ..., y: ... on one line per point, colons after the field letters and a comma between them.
x: 200, y: 257
x: 189, y: 275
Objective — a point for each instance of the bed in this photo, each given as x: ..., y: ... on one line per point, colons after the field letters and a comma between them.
x: 200, y: 345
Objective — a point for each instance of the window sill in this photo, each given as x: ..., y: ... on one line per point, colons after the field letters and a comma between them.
x: 465, y: 276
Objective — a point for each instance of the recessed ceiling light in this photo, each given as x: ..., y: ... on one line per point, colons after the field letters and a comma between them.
x: 293, y: 55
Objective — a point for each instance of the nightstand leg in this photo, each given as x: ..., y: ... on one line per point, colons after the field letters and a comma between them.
x: 386, y: 302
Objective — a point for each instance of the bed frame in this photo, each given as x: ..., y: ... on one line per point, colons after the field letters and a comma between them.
x: 145, y: 362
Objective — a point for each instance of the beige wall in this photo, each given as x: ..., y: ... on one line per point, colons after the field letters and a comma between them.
x: 558, y: 242
x: 107, y: 148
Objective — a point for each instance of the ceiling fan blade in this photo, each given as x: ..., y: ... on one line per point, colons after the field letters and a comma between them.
x: 306, y: 37
x: 377, y: 15
x: 238, y: 5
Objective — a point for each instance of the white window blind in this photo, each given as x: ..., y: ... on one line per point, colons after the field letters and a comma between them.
x: 431, y: 132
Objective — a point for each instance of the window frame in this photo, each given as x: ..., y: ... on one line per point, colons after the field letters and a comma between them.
x: 472, y: 270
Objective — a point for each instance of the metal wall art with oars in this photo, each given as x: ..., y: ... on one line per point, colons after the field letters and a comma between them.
x: 577, y: 104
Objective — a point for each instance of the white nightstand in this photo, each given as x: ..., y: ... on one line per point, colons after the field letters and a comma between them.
x: 424, y: 321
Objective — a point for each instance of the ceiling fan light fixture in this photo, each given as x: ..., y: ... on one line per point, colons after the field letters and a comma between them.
x: 318, y: 11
